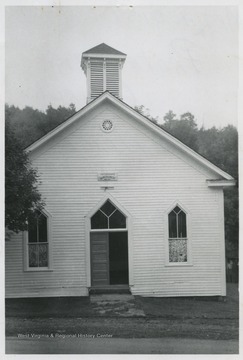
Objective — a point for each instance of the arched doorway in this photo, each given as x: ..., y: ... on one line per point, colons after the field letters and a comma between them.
x: 108, y: 246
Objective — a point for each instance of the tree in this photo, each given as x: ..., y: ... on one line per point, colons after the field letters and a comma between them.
x: 184, y: 129
x: 145, y: 112
x: 221, y: 147
x: 231, y: 211
x: 27, y: 124
x: 169, y: 116
x: 31, y: 124
x: 22, y: 197
x: 55, y: 117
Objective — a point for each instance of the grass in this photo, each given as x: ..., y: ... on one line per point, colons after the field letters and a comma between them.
x: 48, y: 307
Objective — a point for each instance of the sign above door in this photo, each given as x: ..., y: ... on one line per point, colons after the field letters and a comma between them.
x: 107, y: 176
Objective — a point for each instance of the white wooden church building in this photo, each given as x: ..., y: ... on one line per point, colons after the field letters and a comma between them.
x: 128, y: 206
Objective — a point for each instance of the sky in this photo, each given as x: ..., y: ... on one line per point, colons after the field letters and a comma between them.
x: 179, y: 58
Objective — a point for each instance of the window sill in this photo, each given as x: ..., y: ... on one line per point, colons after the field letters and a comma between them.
x: 38, y: 270
x: 108, y: 230
x: 178, y: 265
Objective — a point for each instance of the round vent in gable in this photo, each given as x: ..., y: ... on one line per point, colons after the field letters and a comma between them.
x: 107, y: 125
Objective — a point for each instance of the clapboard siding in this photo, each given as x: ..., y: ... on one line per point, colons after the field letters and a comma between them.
x: 152, y: 176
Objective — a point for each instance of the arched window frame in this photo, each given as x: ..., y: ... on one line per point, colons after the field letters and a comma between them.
x: 188, y: 237
x: 49, y: 242
x: 110, y: 229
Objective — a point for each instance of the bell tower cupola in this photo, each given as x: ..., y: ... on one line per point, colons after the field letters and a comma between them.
x: 103, y: 69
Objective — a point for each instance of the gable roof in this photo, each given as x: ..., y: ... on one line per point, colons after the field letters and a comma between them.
x: 142, y: 119
x: 103, y: 49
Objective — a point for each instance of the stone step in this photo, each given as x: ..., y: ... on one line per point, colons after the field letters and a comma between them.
x: 109, y: 290
x: 111, y: 298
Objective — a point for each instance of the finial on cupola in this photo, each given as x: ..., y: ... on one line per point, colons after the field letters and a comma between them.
x: 103, y: 66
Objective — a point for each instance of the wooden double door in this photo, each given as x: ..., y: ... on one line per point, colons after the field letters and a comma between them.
x: 109, y: 258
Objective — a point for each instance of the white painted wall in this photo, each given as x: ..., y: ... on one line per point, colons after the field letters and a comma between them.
x: 152, y: 175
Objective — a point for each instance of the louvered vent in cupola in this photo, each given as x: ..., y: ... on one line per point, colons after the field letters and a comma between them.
x: 96, y: 78
x: 112, y: 77
x: 103, y: 66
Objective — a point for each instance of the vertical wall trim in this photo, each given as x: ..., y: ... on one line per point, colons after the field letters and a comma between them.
x: 88, y: 81
x: 104, y: 74
x: 120, y: 79
x: 222, y: 241
x: 130, y: 250
x: 87, y: 248
x: 25, y: 250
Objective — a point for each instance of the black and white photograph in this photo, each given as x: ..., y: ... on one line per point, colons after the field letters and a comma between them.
x: 121, y: 179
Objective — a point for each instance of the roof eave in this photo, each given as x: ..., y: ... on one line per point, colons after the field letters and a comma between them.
x: 86, y: 56
x: 221, y: 183
x: 104, y: 55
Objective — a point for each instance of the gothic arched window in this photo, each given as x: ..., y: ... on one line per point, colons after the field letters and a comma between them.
x: 177, y: 235
x: 108, y: 217
x: 38, y: 241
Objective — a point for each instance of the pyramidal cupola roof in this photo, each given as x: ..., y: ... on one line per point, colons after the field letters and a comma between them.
x: 103, y: 49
